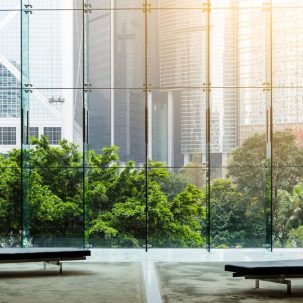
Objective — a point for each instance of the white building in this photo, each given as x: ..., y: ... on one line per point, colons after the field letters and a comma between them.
x: 51, y: 73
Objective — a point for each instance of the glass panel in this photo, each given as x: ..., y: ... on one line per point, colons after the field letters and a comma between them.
x: 238, y: 47
x: 10, y: 53
x: 100, y: 120
x: 10, y: 5
x: 56, y: 205
x: 116, y: 122
x: 117, y: 201
x: 128, y: 49
x: 248, y: 4
x: 287, y: 4
x: 57, y: 121
x: 181, y: 4
x: 100, y: 67
x: 102, y: 4
x: 177, y: 50
x: 130, y: 4
x: 55, y: 49
x: 129, y: 125
x: 10, y: 200
x: 287, y: 47
x: 115, y: 48
x: 176, y: 206
x: 118, y: 4
x: 238, y: 168
x: 10, y: 113
x: 287, y: 167
x: 177, y: 125
x: 56, y: 4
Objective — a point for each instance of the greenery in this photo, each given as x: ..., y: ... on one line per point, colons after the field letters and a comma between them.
x: 115, y: 197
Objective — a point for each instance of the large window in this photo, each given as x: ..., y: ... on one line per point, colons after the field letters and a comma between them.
x: 7, y: 135
x: 52, y: 134
x: 151, y: 123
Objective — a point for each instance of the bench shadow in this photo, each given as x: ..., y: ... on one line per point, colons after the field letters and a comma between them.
x: 42, y: 273
x: 269, y: 294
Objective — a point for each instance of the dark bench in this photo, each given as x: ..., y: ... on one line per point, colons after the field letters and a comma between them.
x: 270, y: 271
x: 53, y: 256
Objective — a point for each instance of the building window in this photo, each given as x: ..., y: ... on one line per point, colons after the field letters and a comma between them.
x: 34, y: 132
x: 7, y: 135
x: 53, y: 134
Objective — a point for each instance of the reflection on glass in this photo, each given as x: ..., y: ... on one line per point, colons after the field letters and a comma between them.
x: 115, y: 99
x: 55, y: 48
x: 287, y: 46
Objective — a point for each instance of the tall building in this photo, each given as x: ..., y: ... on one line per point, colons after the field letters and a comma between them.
x: 183, y: 46
x: 257, y: 48
x: 182, y: 56
x: 230, y: 78
x: 50, y: 66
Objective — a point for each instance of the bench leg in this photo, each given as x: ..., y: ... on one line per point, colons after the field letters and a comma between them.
x: 273, y: 279
x: 288, y: 287
x: 257, y: 283
x: 58, y: 263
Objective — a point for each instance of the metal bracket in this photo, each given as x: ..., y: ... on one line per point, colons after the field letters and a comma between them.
x: 56, y: 263
x: 266, y: 6
x: 146, y: 7
x: 87, y: 8
x: 267, y: 86
x: 87, y: 87
x: 146, y: 87
x: 28, y: 8
x: 206, y: 7
x: 28, y: 88
x: 206, y: 87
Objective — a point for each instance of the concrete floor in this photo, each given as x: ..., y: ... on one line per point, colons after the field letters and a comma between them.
x: 159, y: 276
x: 79, y: 283
x: 207, y: 282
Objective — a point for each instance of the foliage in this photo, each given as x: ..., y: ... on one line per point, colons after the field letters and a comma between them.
x: 115, y: 199
x: 194, y: 171
x: 227, y: 211
x: 295, y: 237
x: 288, y: 214
x: 250, y: 171
x: 248, y: 166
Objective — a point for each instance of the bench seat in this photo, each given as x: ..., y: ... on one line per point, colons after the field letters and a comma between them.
x: 46, y: 255
x: 270, y: 271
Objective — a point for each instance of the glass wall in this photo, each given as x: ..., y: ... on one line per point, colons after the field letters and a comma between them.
x: 149, y: 124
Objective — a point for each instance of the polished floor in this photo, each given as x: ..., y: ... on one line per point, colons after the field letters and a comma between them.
x: 159, y: 276
x: 79, y: 283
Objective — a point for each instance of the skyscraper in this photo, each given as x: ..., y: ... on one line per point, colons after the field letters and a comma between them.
x: 50, y: 65
x: 116, y: 73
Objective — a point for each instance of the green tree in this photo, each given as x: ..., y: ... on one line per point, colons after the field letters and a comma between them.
x: 247, y: 164
x: 288, y: 214
x: 249, y: 169
x: 228, y: 210
x: 295, y: 237
x: 115, y: 199
x: 10, y: 198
